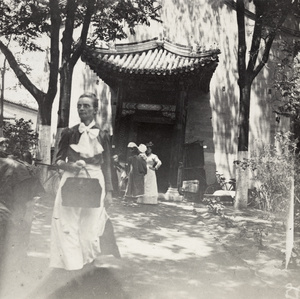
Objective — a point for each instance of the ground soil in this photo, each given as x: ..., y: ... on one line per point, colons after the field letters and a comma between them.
x: 171, y: 250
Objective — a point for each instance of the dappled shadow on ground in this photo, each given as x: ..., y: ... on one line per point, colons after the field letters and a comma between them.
x: 41, y: 219
x: 171, y: 250
x: 198, y: 251
x: 97, y: 283
x: 258, y: 240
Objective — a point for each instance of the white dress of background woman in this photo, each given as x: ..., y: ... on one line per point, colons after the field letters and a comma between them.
x: 153, y: 163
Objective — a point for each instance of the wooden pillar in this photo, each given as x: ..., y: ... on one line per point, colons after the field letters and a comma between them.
x: 119, y: 104
x: 114, y: 101
x: 177, y: 143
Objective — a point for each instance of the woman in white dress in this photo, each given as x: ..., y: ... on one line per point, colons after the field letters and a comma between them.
x: 76, y: 232
x: 153, y: 164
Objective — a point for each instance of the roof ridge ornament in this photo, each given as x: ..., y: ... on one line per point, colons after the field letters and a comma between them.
x: 111, y: 45
x: 196, y: 48
x: 161, y: 37
x: 160, y: 41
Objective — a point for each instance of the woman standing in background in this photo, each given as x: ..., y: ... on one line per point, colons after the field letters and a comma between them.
x: 137, y: 169
x: 153, y: 164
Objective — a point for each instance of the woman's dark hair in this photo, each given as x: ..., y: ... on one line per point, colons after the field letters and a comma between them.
x: 149, y: 144
x: 134, y: 150
x: 91, y: 96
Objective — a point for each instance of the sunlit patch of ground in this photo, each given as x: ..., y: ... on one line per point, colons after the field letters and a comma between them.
x: 170, y: 250
x: 41, y: 219
x: 257, y: 240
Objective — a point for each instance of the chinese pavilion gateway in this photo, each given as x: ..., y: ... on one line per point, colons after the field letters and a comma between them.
x: 150, y: 85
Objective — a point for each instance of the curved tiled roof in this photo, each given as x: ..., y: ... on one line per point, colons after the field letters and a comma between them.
x: 149, y: 58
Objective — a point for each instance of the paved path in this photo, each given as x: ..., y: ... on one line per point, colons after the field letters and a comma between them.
x: 168, y: 251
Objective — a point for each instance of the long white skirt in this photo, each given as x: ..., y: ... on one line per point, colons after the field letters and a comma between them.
x: 75, y: 232
x: 151, y: 193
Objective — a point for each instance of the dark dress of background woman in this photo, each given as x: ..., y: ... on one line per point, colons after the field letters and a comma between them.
x: 137, y: 169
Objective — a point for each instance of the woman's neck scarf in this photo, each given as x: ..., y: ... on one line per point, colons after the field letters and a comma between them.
x: 88, y: 145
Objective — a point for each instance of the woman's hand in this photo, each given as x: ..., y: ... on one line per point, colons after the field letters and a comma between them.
x: 108, y: 199
x: 81, y: 163
x: 74, y: 167
x: 152, y: 168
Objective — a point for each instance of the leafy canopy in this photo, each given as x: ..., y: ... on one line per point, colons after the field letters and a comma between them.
x: 287, y: 82
x: 26, y: 20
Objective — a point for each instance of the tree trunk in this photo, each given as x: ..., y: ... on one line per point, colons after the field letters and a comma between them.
x: 44, y: 149
x: 65, y: 95
x: 242, y: 183
x: 64, y: 102
x: 242, y: 175
x: 44, y: 130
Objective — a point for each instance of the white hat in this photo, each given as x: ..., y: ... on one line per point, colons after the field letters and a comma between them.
x: 3, y: 139
x: 142, y: 148
x: 131, y: 144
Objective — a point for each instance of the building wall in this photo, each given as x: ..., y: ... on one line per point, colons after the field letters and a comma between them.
x: 213, y: 23
x: 21, y: 112
x: 213, y: 116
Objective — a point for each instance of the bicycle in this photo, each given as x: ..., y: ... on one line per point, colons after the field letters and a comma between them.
x: 221, y: 184
x: 221, y: 191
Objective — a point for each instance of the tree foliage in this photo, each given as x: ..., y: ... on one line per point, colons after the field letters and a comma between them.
x: 28, y: 19
x: 25, y: 21
x: 21, y: 137
x: 287, y: 83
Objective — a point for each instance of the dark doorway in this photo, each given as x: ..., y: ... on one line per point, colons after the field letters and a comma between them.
x: 161, y: 136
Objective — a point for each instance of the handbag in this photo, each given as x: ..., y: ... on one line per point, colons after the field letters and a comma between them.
x: 81, y: 192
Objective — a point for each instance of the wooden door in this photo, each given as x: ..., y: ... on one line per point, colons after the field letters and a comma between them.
x: 161, y: 137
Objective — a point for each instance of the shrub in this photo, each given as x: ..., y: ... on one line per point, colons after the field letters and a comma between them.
x: 272, y: 167
x: 21, y: 137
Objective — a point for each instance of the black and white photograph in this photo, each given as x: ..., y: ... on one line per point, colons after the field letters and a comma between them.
x: 150, y: 149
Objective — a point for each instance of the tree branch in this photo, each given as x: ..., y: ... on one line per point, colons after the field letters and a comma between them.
x: 54, y: 49
x: 256, y: 39
x: 84, y: 31
x: 283, y: 29
x: 270, y: 39
x: 67, y: 39
x: 23, y: 78
x: 240, y: 12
